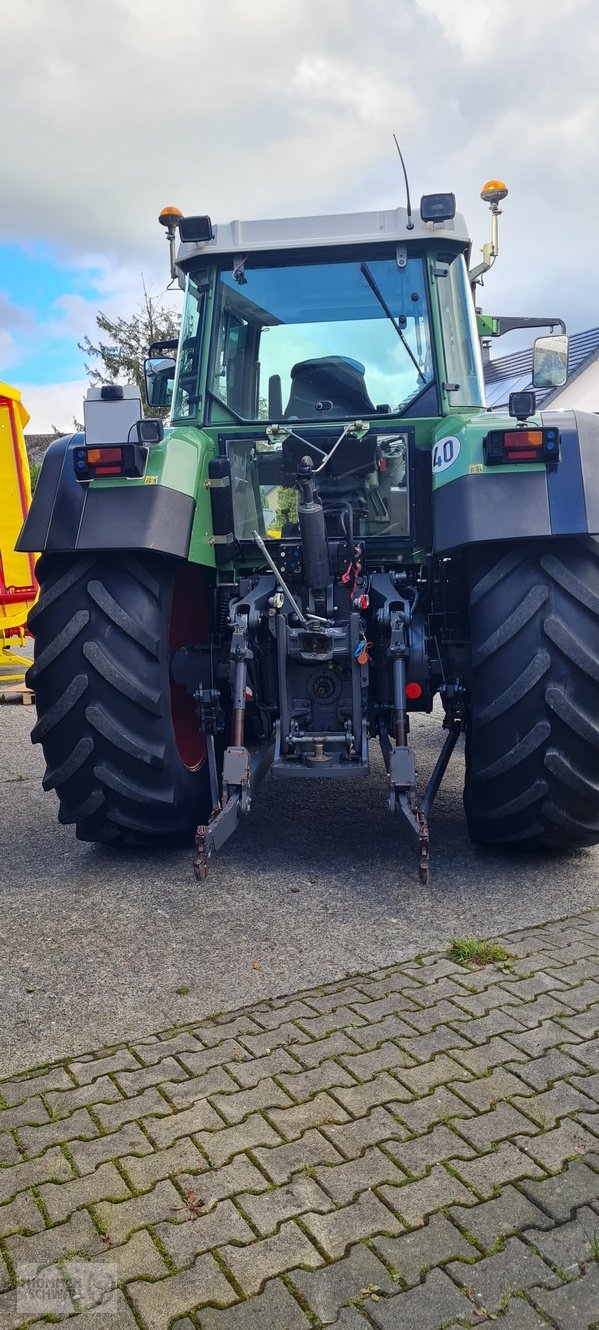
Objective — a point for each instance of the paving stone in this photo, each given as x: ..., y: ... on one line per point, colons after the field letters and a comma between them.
x: 382, y: 1089
x: 558, y: 1196
x: 273, y: 1309
x: 429, y: 1305
x: 362, y: 1219
x: 391, y: 1027
x: 86, y: 1072
x: 185, y: 1241
x: 78, y: 1234
x: 166, y: 1130
x: 552, y: 1148
x: 514, y: 1268
x: 262, y: 1044
x: 52, y: 1164
x: 420, y: 1114
x: 318, y: 1026
x: 584, y: 1023
x: 412, y: 1254
x: 61, y: 1199
x: 319, y: 1050
x: 544, y: 1008
x: 21, y: 1215
x: 569, y: 1244
x: 252, y: 1266
x: 585, y: 1051
x: 586, y: 995
x: 576, y: 974
x: 573, y: 1305
x: 432, y: 994
x: 502, y: 1122
x: 268, y: 1209
x: 546, y: 1035
x: 526, y: 990
x: 392, y: 1005
x: 426, y: 1019
x: 493, y: 1054
x: 439, y: 1071
x: 327, y: 1291
x: 9, y: 1150
x: 119, y: 1219
x: 131, y: 1082
x: 150, y: 1101
x: 487, y: 1091
x: 145, y: 1171
x: 344, y: 996
x: 138, y: 1258
x: 344, y: 1181
x: 266, y: 1094
x: 17, y: 1091
x: 424, y: 1046
x: 151, y: 1052
x: 512, y: 1212
x: 320, y: 1111
x: 128, y: 1140
x: 498, y: 1021
x: 502, y: 1165
x: 417, y: 1155
x: 119, y: 1317
x: 284, y: 1160
x: 352, y: 1138
x: 159, y: 1303
x: 588, y: 1085
x: 256, y: 1069
x: 221, y: 1146
x: 36, y: 1139
x: 30, y: 1113
x: 415, y: 1200
x: 351, y: 1318
x: 479, y: 1004
x: 184, y: 1093
x: 226, y: 1027
x: 62, y: 1103
x: 365, y: 1065
x: 562, y: 1099
x: 289, y: 1011
x: 217, y: 1183
x: 519, y: 1315
x: 542, y: 1072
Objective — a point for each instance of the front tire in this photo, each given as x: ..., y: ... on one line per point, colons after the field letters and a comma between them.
x: 532, y: 744
x: 121, y: 740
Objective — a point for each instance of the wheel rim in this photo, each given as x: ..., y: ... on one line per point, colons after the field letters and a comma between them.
x: 189, y: 622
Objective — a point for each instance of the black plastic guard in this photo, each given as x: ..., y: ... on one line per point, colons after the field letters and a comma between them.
x: 67, y: 515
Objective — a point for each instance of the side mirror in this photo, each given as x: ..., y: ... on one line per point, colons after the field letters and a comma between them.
x: 159, y: 374
x: 550, y: 361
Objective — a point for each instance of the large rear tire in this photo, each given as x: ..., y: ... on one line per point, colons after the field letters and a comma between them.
x: 121, y: 739
x: 532, y: 745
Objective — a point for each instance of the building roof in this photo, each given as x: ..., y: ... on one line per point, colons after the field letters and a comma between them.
x: 513, y: 374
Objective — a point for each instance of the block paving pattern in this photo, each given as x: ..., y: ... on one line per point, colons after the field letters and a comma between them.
x: 413, y: 1149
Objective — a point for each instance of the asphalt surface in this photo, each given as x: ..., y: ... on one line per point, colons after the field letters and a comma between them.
x: 320, y: 882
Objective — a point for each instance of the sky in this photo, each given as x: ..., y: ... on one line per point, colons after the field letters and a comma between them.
x: 111, y: 109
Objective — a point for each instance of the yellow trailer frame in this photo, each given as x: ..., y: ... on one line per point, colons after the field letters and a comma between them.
x: 18, y: 586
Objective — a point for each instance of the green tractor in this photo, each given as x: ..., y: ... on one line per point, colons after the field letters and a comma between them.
x: 332, y: 531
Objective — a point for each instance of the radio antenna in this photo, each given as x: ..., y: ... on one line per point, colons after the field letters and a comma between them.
x: 410, y: 224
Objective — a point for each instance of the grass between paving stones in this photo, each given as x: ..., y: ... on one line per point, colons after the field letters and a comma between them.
x: 469, y: 951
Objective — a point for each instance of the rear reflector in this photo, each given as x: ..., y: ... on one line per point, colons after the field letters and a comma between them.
x: 501, y: 447
x: 127, y: 460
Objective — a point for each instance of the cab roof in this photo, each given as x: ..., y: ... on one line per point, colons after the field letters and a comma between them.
x: 349, y: 228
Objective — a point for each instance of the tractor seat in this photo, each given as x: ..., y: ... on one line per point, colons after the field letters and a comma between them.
x: 328, y: 387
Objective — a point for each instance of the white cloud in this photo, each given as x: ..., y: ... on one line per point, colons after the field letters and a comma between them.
x: 53, y: 404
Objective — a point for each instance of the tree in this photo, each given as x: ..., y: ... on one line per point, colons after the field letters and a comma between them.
x: 121, y: 357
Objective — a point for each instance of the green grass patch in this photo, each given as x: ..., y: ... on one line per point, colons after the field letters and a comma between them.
x: 471, y: 952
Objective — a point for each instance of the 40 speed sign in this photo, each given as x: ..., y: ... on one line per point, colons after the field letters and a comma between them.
x: 445, y: 453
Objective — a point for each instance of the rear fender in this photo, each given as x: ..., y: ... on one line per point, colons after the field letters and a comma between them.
x: 473, y: 503
x: 159, y: 512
